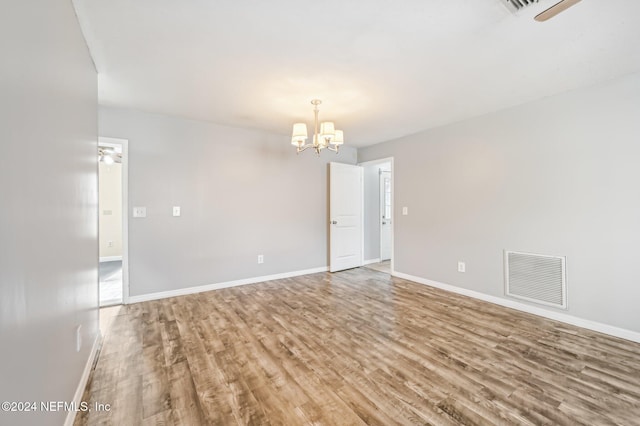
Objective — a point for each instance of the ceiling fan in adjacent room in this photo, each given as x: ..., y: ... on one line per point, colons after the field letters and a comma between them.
x: 555, y: 9
x: 549, y: 13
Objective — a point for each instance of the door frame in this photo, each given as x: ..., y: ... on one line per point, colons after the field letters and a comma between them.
x: 124, y: 144
x: 393, y: 206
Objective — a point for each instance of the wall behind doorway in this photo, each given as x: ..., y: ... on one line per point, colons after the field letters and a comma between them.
x: 110, y: 209
x: 242, y: 193
x: 556, y: 176
x: 372, y: 210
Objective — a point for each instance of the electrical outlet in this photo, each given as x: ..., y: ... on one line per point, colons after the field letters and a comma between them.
x: 462, y: 267
x: 110, y: 244
x: 176, y: 211
x: 139, y: 212
x: 260, y: 259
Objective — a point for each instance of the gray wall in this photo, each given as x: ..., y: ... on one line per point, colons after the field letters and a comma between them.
x: 558, y: 176
x: 48, y: 198
x: 242, y: 193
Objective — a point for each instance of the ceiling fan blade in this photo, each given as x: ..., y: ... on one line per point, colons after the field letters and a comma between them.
x: 555, y: 9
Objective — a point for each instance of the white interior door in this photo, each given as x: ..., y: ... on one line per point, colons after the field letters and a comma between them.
x: 345, y: 216
x: 385, y: 215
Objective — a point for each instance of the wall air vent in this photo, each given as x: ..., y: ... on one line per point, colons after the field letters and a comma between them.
x: 516, y: 5
x: 536, y: 278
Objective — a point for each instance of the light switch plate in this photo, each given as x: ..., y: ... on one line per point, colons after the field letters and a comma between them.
x: 176, y: 211
x: 139, y: 212
x: 405, y: 211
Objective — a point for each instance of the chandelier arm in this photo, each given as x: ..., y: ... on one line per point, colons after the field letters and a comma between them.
x: 304, y: 147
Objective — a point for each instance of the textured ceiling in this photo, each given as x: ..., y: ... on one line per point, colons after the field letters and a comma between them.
x: 383, y: 69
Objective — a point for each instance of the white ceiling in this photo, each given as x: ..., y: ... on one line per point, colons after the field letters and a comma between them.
x: 383, y: 68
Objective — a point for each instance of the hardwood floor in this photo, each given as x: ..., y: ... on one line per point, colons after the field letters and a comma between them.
x: 384, y: 266
x: 110, y: 274
x: 355, y: 347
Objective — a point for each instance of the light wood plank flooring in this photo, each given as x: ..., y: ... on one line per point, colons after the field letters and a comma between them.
x: 355, y: 347
x: 384, y: 266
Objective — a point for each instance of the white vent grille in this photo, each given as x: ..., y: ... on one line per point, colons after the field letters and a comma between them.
x: 516, y: 5
x: 536, y: 278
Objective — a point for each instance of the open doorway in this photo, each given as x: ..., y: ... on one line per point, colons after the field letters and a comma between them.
x: 112, y: 221
x: 378, y: 215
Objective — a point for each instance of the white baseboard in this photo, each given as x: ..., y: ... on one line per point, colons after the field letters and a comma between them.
x: 77, y: 397
x: 110, y: 258
x: 370, y: 261
x: 557, y: 316
x: 217, y: 286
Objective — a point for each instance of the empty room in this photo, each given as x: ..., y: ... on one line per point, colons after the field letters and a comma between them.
x: 219, y: 212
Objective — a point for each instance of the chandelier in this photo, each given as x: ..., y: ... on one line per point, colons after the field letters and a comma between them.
x: 327, y: 136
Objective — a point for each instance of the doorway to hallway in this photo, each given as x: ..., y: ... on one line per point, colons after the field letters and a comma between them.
x: 378, y: 215
x: 112, y: 221
x: 385, y: 213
